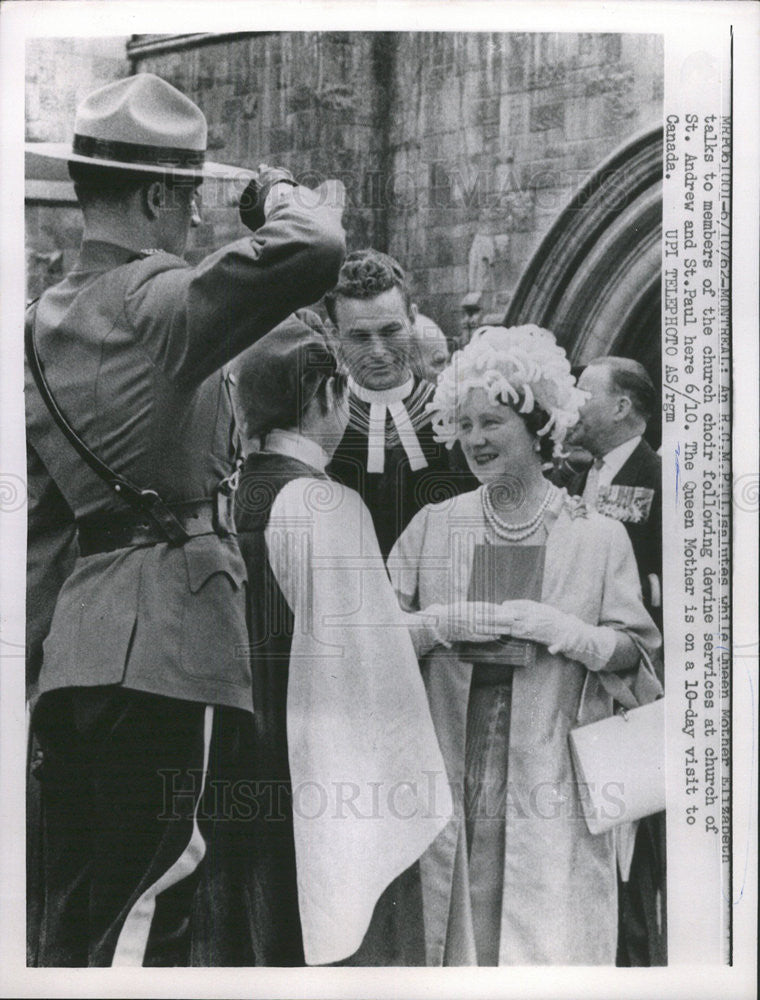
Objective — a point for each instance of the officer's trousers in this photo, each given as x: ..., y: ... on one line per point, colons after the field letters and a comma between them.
x: 130, y: 801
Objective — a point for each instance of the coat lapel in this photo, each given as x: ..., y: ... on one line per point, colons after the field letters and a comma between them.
x: 628, y: 475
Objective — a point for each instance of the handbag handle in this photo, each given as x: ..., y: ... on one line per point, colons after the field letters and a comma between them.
x: 617, y: 688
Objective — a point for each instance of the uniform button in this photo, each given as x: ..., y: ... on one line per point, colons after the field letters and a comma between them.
x: 231, y: 378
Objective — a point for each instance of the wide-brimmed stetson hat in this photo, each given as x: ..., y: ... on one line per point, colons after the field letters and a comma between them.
x: 142, y: 124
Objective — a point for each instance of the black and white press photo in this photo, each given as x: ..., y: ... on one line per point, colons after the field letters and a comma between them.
x: 372, y: 468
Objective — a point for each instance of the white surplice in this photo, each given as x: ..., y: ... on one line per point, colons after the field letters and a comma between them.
x: 370, y: 792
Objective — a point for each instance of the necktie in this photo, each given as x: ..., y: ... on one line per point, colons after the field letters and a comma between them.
x: 592, y: 482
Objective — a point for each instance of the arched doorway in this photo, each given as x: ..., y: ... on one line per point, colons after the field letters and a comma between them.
x: 595, y: 279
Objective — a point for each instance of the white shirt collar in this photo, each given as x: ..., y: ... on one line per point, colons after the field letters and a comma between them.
x: 297, y: 446
x: 615, y: 460
x: 393, y: 395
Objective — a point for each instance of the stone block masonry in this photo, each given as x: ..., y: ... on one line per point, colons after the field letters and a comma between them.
x: 447, y: 143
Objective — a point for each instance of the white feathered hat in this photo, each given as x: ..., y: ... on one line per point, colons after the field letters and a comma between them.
x: 522, y: 366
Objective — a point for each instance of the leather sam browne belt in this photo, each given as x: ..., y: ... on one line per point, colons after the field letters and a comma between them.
x: 147, y: 519
x: 111, y: 530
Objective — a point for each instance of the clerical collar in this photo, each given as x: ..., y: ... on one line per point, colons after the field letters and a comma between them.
x: 393, y: 395
x: 381, y: 403
x: 297, y: 446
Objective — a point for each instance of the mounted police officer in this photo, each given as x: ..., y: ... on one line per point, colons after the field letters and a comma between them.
x: 142, y: 690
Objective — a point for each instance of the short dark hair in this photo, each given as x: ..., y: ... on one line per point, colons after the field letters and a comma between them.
x: 93, y: 183
x: 279, y: 377
x: 366, y: 274
x: 631, y: 379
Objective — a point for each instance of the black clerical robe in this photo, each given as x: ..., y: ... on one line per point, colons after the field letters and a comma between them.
x: 394, y: 495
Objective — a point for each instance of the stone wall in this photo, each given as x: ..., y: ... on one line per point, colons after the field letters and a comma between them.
x: 59, y: 73
x: 458, y: 150
x: 309, y: 102
x: 494, y: 133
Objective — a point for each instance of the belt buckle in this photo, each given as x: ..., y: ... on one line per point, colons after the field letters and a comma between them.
x: 223, y: 517
x: 167, y: 523
x: 224, y: 499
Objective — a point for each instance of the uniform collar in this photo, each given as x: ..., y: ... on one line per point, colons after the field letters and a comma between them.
x: 96, y: 255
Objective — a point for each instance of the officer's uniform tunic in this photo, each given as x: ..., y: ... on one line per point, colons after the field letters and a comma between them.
x: 134, y: 352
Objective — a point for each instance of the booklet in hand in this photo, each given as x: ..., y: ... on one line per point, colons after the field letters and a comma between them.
x: 504, y: 573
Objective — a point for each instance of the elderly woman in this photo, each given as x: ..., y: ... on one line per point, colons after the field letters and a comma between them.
x: 516, y: 877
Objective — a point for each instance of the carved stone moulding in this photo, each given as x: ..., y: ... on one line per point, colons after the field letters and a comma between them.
x: 595, y: 278
x: 600, y: 256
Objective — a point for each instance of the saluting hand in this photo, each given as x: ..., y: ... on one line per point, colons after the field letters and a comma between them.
x: 253, y: 199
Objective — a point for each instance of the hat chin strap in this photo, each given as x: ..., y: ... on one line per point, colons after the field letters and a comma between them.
x: 381, y: 402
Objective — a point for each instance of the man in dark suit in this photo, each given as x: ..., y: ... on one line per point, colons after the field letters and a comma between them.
x: 388, y: 453
x: 624, y: 482
x: 625, y: 479
x: 143, y: 696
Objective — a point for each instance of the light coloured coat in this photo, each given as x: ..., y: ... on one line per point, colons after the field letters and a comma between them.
x: 559, y: 903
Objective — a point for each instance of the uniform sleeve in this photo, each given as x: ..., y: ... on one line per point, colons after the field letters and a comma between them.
x: 622, y: 605
x: 194, y: 320
x: 50, y: 555
x: 404, y: 561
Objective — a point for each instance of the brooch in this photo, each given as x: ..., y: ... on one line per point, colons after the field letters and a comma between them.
x: 575, y: 506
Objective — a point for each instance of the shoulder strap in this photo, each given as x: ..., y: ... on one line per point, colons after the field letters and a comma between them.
x: 146, y: 501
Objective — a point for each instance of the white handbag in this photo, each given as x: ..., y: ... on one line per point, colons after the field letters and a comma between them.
x: 620, y: 761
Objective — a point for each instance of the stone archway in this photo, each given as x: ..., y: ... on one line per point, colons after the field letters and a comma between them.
x: 595, y: 279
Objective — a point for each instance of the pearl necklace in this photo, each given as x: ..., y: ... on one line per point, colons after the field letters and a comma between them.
x: 514, y: 532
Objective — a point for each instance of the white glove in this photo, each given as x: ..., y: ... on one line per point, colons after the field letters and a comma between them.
x: 467, y: 621
x: 591, y: 645
x: 276, y: 184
